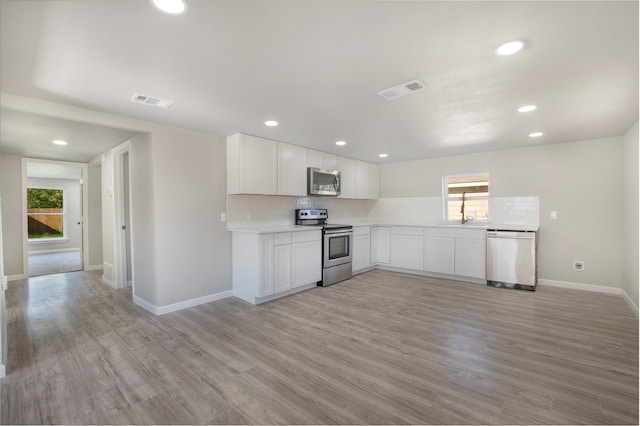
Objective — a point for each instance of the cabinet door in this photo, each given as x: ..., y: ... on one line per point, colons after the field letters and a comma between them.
x: 306, y: 263
x: 321, y: 160
x: 266, y: 265
x: 361, y: 252
x: 366, y: 180
x: 281, y: 268
x: 258, y: 166
x: 292, y: 170
x: 407, y: 251
x: 380, y: 240
x: 440, y: 255
x: 347, y: 169
x: 470, y: 257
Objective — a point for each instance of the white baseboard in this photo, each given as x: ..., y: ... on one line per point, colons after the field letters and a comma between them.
x: 630, y: 302
x: 591, y: 287
x: 93, y: 268
x: 580, y: 286
x: 16, y: 277
x: 67, y: 250
x: 161, y: 310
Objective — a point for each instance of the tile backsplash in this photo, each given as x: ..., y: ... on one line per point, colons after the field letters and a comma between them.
x: 269, y: 210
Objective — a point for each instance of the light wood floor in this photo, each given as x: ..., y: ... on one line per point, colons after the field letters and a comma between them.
x: 381, y: 348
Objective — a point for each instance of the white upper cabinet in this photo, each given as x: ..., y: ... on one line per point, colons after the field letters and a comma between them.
x: 366, y: 180
x: 292, y: 170
x: 321, y: 160
x: 252, y: 165
x: 347, y: 168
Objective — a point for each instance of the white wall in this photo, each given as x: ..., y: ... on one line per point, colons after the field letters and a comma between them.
x: 181, y: 249
x: 94, y: 216
x: 107, y: 212
x: 630, y: 208
x: 12, y: 220
x: 73, y: 212
x: 580, y: 180
x: 272, y: 210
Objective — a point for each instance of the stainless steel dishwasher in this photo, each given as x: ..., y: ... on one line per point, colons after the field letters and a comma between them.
x: 511, y: 259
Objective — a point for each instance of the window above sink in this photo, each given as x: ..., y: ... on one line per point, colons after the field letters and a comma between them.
x: 470, y: 191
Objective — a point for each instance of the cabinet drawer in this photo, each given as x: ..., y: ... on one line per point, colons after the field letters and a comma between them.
x: 303, y: 236
x: 281, y: 238
x: 361, y: 230
x: 407, y: 230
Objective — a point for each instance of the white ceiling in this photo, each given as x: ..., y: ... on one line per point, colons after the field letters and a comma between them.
x: 315, y: 66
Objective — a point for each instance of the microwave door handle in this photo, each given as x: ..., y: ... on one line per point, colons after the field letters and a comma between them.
x: 336, y: 183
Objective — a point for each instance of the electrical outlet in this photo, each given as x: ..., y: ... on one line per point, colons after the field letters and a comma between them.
x: 223, y: 217
x: 249, y: 216
x: 578, y: 265
x: 554, y: 214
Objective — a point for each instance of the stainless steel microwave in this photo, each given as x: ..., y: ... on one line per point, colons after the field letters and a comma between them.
x: 323, y: 182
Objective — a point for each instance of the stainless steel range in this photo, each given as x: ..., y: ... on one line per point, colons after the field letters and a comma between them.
x: 336, y: 245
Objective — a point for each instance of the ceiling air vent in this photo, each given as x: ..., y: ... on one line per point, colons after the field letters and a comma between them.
x: 151, y: 101
x: 403, y: 89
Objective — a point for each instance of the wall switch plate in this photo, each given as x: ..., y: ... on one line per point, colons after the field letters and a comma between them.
x: 223, y: 217
x: 554, y: 214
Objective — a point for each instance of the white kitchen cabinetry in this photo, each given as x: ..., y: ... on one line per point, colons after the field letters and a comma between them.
x: 407, y: 247
x: 471, y: 254
x: 380, y: 244
x: 292, y: 170
x: 456, y: 251
x: 252, y: 165
x: 366, y: 180
x: 361, y: 248
x: 440, y: 255
x: 347, y: 168
x: 281, y: 262
x: 306, y: 258
x: 268, y: 266
x: 321, y: 160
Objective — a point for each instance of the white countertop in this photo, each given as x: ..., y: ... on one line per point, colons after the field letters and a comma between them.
x: 266, y: 229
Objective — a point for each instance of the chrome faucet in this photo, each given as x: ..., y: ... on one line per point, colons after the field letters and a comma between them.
x: 464, y: 220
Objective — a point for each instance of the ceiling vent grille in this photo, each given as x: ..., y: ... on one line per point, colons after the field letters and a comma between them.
x: 139, y: 98
x: 403, y: 89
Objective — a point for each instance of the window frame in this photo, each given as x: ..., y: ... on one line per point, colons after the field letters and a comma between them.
x: 446, y: 197
x: 64, y: 236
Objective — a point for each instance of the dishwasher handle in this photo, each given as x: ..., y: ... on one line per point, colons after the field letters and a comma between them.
x: 512, y: 235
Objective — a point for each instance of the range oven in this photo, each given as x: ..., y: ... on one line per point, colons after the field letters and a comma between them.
x: 336, y: 245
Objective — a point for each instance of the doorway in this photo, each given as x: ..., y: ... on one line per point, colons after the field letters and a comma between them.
x: 54, y: 202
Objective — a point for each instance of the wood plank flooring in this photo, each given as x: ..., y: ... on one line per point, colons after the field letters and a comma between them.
x: 382, y: 348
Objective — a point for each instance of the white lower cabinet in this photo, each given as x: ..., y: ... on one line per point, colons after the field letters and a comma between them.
x: 281, y: 268
x: 361, y: 249
x: 456, y: 251
x: 380, y: 244
x: 306, y: 263
x: 440, y: 256
x: 407, y: 247
x: 266, y: 265
x: 471, y: 255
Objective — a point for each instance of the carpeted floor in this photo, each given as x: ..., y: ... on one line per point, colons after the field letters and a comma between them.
x: 54, y: 263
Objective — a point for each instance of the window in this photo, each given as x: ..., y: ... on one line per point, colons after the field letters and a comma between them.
x: 473, y: 189
x: 45, y: 213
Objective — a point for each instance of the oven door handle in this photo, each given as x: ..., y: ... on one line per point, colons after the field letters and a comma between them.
x: 337, y: 231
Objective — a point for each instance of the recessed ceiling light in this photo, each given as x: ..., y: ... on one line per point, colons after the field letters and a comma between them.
x: 59, y: 142
x: 270, y: 123
x: 535, y: 134
x: 174, y: 7
x: 341, y: 143
x: 382, y: 155
x: 510, y: 48
x: 527, y: 108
